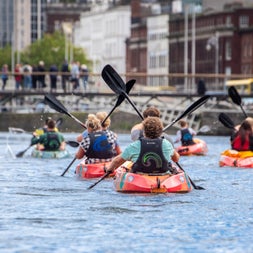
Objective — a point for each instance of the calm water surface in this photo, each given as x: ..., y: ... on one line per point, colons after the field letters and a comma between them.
x: 44, y: 212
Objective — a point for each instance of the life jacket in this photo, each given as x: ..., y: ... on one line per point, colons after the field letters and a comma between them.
x: 151, y: 158
x: 186, y: 137
x: 99, y: 146
x: 52, y: 141
x: 237, y: 144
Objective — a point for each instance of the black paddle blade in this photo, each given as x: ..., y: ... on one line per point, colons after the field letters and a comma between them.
x: 236, y: 98
x: 21, y: 153
x: 58, y: 122
x: 73, y: 144
x: 113, y: 79
x: 55, y: 104
x: 129, y: 86
x: 226, y: 121
x: 234, y: 95
x: 189, y: 110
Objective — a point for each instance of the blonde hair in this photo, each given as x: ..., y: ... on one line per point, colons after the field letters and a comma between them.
x: 101, y: 116
x: 93, y: 122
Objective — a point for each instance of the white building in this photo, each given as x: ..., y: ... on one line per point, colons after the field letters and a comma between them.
x: 102, y: 34
x: 157, y: 48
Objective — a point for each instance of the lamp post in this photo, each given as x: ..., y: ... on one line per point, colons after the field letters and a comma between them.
x: 214, y: 41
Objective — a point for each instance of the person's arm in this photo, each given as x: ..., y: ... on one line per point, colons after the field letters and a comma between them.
x: 115, y: 163
x: 136, y: 131
x: 80, y: 153
x: 35, y: 140
x: 192, y: 132
x: 178, y: 137
x: 175, y: 157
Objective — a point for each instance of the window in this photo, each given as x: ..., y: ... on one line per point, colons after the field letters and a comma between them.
x: 228, y: 50
x: 244, y: 21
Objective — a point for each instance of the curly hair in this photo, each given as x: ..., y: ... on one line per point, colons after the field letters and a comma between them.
x: 153, y: 127
x: 151, y: 112
x: 101, y: 116
x: 93, y: 122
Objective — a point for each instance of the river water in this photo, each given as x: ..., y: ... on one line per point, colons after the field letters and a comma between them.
x: 44, y: 212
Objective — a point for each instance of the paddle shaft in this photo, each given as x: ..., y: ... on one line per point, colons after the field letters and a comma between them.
x: 102, y: 178
x: 68, y: 167
x: 196, y: 187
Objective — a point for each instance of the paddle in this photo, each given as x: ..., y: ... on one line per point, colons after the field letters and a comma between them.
x: 121, y: 98
x: 196, y: 187
x: 68, y: 167
x: 102, y: 178
x: 204, y: 129
x: 73, y: 144
x: 226, y: 121
x: 236, y: 98
x: 59, y: 107
x: 21, y: 153
x: 189, y: 110
x: 114, y: 81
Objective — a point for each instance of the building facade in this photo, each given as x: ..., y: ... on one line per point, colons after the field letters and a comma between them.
x: 102, y: 34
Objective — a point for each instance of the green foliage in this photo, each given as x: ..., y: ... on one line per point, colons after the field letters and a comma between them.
x: 5, y: 56
x: 50, y: 49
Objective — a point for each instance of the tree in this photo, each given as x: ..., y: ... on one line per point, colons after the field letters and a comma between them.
x: 51, y: 50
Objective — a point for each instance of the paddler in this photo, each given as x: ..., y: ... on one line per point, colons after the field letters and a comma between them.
x: 150, y: 154
x: 97, y: 145
x: 51, y: 140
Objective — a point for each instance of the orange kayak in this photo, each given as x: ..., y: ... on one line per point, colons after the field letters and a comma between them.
x: 234, y: 158
x: 149, y: 183
x: 86, y: 171
x: 200, y: 148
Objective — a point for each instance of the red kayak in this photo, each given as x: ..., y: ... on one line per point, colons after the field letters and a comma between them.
x: 86, y: 171
x: 128, y: 182
x: 233, y: 158
x: 199, y: 148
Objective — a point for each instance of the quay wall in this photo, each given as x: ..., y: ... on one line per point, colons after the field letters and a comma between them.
x: 120, y: 122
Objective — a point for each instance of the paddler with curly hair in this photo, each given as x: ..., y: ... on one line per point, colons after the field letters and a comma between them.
x: 98, y: 145
x: 137, y: 130
x: 150, y: 154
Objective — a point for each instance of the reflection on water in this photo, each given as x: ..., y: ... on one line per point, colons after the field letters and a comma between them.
x: 44, y: 212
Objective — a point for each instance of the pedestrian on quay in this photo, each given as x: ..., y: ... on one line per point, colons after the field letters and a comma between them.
x: 53, y: 77
x: 64, y: 75
x: 27, y: 75
x: 18, y: 76
x: 5, y: 75
x: 41, y: 75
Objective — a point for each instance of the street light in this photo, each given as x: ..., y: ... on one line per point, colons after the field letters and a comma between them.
x: 214, y: 41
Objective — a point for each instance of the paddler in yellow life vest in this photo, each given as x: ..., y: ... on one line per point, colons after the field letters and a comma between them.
x: 50, y: 140
x: 44, y: 129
